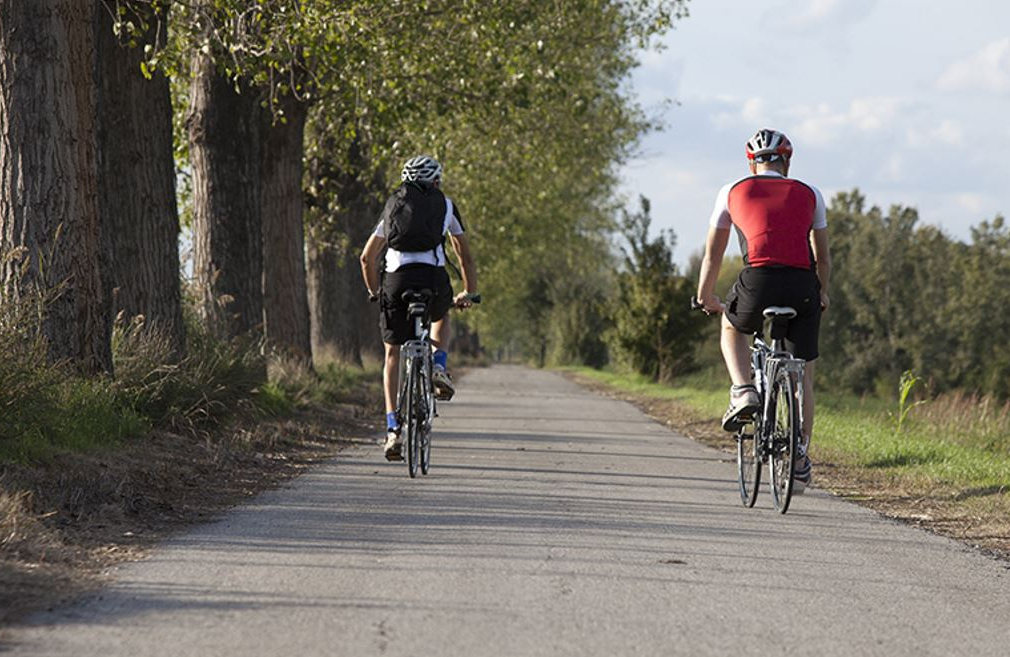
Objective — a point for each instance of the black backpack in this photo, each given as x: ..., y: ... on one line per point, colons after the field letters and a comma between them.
x: 414, y: 218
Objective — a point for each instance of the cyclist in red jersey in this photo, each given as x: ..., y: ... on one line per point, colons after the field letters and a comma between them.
x: 783, y: 232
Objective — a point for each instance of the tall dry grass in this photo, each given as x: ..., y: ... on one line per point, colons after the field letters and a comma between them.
x: 970, y: 419
x: 214, y: 378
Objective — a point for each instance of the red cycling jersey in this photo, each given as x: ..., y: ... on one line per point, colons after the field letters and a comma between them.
x: 773, y: 216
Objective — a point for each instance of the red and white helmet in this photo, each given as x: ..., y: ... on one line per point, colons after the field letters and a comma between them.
x: 768, y: 145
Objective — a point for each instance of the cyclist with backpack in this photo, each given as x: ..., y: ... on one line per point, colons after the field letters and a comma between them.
x: 412, y: 232
x: 783, y: 231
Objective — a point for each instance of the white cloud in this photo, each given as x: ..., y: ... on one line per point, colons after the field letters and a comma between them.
x: 754, y: 111
x: 987, y: 70
x: 893, y: 169
x: 823, y: 125
x: 948, y: 133
x: 973, y: 203
x: 807, y: 15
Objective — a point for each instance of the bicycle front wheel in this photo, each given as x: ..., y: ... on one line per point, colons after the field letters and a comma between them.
x: 413, y: 421
x: 784, y: 433
x: 748, y: 465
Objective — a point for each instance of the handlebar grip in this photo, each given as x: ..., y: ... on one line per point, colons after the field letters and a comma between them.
x: 475, y: 298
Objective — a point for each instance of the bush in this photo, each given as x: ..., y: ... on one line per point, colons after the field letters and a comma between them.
x: 654, y: 332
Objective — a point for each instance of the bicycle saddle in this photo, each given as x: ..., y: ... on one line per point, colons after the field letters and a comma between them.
x: 417, y: 301
x: 780, y: 311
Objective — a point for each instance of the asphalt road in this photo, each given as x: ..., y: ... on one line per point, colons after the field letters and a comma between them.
x: 554, y: 522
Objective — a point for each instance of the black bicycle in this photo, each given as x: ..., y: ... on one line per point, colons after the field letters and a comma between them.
x: 773, y: 436
x: 416, y: 405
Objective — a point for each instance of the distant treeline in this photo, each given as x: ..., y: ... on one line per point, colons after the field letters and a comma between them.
x: 907, y: 296
x: 904, y: 296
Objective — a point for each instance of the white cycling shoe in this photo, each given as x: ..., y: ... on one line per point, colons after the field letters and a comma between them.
x: 444, y: 389
x: 393, y: 447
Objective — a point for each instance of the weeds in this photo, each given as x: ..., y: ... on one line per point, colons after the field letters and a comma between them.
x: 907, y: 382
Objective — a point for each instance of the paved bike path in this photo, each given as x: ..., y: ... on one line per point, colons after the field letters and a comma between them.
x: 554, y: 522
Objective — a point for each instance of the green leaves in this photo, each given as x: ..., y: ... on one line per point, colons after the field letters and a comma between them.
x: 909, y: 297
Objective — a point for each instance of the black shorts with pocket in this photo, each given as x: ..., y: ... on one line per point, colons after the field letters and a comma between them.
x: 759, y: 287
x: 396, y: 325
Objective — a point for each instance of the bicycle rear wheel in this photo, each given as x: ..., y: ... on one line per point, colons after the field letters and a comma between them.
x: 748, y: 464
x: 413, y: 421
x: 784, y: 433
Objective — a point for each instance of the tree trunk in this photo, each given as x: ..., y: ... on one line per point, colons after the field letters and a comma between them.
x: 333, y: 337
x: 285, y: 297
x: 49, y: 173
x: 344, y: 324
x: 137, y: 187
x: 227, y: 227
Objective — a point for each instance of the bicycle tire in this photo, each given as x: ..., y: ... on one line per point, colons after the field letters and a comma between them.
x: 748, y: 464
x: 426, y: 419
x: 413, y: 426
x: 783, y: 434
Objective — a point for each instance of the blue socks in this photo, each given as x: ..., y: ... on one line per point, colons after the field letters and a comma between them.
x: 391, y: 423
x: 440, y: 358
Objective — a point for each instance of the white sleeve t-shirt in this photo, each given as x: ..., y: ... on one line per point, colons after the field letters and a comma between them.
x: 396, y: 259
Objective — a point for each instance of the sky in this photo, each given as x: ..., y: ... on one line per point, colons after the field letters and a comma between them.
x: 908, y: 100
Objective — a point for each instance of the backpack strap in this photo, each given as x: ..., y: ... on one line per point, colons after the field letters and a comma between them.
x: 445, y: 231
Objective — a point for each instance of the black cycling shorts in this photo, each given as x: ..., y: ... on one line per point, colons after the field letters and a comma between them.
x: 759, y: 287
x: 396, y: 325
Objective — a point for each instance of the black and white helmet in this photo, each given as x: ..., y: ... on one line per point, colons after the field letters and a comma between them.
x: 768, y: 145
x: 423, y: 169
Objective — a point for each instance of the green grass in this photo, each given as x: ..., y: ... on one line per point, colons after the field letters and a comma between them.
x: 944, y: 448
x: 76, y: 414
x: 48, y: 408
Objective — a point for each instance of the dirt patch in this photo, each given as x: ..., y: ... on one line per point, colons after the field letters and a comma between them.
x: 64, y: 524
x: 980, y: 518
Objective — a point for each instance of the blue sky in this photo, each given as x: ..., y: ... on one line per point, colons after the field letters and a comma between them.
x: 907, y: 100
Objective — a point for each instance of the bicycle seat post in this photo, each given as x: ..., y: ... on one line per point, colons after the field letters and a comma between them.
x: 780, y: 316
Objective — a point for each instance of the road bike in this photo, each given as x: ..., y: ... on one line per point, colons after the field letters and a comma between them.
x: 416, y: 404
x: 774, y: 435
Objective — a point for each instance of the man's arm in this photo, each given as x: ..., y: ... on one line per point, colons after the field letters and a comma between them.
x: 370, y: 262
x: 822, y: 258
x: 715, y: 247
x: 461, y: 247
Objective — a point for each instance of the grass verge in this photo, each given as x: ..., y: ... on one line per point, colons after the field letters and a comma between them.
x: 947, y: 469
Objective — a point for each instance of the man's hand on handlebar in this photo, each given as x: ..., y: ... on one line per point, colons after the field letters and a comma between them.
x: 464, y: 300
x: 711, y: 306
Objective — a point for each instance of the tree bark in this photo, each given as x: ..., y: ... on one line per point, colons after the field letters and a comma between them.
x: 137, y: 186
x: 49, y: 173
x: 285, y: 297
x: 227, y: 223
x: 344, y: 324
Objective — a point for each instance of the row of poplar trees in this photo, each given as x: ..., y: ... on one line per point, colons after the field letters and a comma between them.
x: 273, y: 128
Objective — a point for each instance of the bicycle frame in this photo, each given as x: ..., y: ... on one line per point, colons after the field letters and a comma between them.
x: 766, y: 362
x: 418, y: 348
x: 415, y: 404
